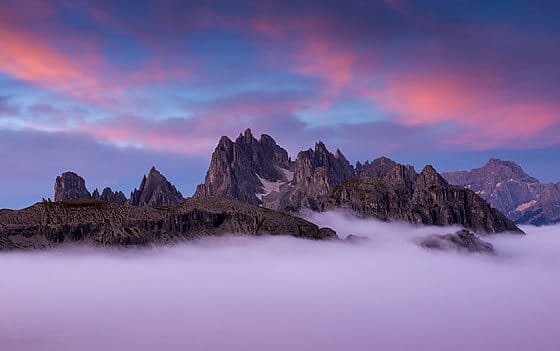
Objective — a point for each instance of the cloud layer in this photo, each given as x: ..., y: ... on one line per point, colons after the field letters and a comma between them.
x: 283, y: 293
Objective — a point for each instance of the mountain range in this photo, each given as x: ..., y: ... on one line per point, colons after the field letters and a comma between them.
x: 253, y: 186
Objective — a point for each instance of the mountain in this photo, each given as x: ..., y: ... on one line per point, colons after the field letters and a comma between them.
x: 95, y: 222
x: 506, y: 186
x: 70, y: 186
x: 259, y: 172
x: 426, y: 198
x: 155, y: 190
x: 247, y: 169
x: 117, y: 197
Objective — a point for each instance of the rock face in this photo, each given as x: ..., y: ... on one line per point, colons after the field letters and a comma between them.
x: 513, y: 192
x: 247, y: 169
x: 260, y: 172
x: 95, y: 222
x: 117, y: 197
x: 155, y: 190
x: 402, y: 195
x: 317, y: 172
x: 463, y: 240
x: 70, y: 186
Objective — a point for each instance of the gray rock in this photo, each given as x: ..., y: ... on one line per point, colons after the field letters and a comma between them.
x: 463, y: 240
x: 259, y: 172
x: 429, y: 199
x: 238, y: 169
x: 70, y: 186
x: 117, y: 197
x: 95, y: 222
x: 155, y: 190
x: 317, y: 172
x: 513, y: 192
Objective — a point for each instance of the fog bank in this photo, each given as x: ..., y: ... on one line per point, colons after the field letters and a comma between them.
x: 281, y: 293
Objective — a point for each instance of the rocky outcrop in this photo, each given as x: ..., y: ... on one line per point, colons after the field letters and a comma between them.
x: 260, y: 172
x: 544, y: 210
x: 117, y: 197
x: 427, y: 198
x: 70, y: 186
x: 155, y: 190
x: 317, y: 172
x: 247, y: 169
x: 95, y: 222
x: 513, y: 192
x: 463, y: 240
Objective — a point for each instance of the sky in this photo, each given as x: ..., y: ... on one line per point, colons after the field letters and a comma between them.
x: 109, y: 88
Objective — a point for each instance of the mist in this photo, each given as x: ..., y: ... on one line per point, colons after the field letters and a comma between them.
x: 282, y: 293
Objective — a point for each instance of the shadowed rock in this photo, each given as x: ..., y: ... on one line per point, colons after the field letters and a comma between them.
x: 95, y: 222
x: 70, y: 186
x: 117, y: 197
x: 463, y: 240
x: 425, y: 198
x: 155, y: 190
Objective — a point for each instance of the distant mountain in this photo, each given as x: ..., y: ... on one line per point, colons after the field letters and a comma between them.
x: 258, y: 171
x: 155, y: 190
x: 117, y: 197
x: 506, y: 186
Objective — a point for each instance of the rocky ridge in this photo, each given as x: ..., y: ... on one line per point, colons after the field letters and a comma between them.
x: 155, y: 190
x: 424, y: 198
x: 506, y: 186
x: 117, y: 197
x: 95, y: 222
x: 322, y: 180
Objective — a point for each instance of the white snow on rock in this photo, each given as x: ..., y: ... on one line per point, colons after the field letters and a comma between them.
x: 525, y: 205
x: 272, y: 187
x: 287, y: 173
x: 269, y: 187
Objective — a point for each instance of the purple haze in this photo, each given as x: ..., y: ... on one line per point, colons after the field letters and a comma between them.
x: 280, y: 293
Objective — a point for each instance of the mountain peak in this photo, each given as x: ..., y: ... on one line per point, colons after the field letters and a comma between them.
x: 430, y: 177
x: 70, y: 186
x: 155, y: 190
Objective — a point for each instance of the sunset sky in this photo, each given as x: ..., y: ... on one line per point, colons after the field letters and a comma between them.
x: 109, y: 88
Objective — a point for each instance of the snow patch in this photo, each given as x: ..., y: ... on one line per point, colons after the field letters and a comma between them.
x: 269, y: 187
x: 289, y: 175
x: 525, y: 205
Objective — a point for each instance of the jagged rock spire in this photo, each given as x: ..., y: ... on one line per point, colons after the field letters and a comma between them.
x: 70, y: 186
x: 155, y: 190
